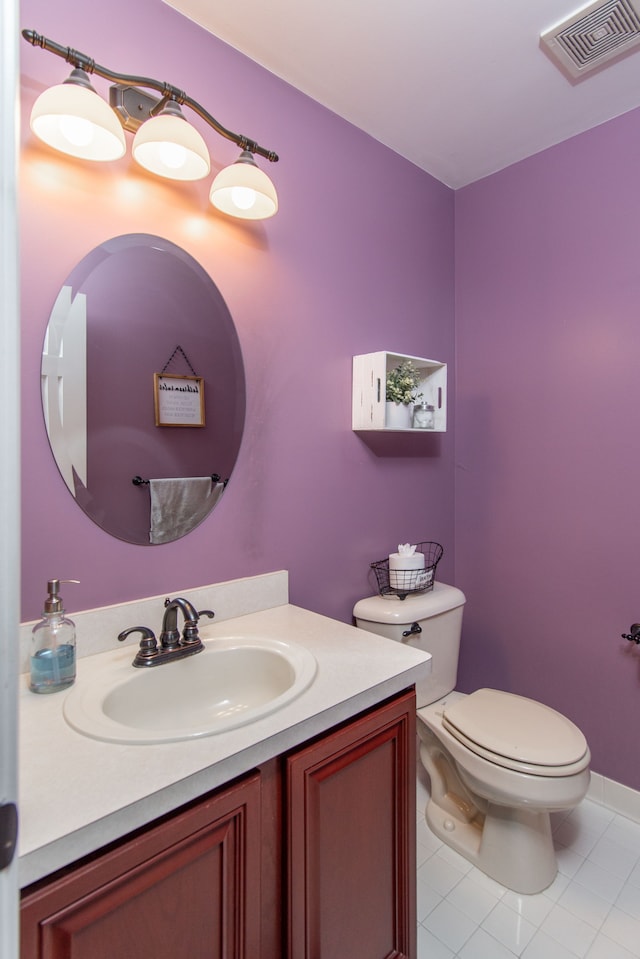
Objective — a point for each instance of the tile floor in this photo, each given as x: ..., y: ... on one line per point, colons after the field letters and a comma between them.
x: 592, y: 910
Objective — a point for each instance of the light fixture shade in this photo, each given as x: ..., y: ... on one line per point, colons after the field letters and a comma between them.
x: 169, y: 146
x: 244, y: 190
x: 73, y: 118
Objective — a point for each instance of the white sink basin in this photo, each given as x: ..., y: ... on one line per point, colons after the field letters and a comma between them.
x: 234, y: 681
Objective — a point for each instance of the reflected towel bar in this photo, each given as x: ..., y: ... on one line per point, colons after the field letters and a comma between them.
x: 215, y: 477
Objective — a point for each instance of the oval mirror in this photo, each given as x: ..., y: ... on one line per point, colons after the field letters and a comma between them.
x: 143, y: 381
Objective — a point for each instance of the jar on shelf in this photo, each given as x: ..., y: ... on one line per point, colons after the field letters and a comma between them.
x: 423, y: 417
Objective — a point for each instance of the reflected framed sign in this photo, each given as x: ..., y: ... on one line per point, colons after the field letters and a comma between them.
x: 178, y: 400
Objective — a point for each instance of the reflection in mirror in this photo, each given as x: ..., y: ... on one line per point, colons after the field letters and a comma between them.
x: 134, y: 307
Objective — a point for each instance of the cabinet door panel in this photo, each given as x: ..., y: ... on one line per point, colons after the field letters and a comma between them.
x: 196, y: 896
x: 351, y: 802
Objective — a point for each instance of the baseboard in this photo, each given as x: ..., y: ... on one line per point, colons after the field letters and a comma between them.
x: 620, y: 799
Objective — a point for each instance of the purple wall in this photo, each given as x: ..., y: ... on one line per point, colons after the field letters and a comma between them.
x: 359, y: 258
x: 547, y: 287
x: 547, y: 441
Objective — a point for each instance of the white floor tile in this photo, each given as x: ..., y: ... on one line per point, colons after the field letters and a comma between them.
x: 605, y: 948
x: 449, y: 925
x: 534, y: 908
x: 543, y: 946
x: 490, y: 884
x: 629, y: 901
x: 571, y: 833
x: 572, y: 933
x: 439, y: 874
x: 473, y: 899
x: 422, y: 854
x: 617, y: 859
x: 425, y: 837
x: 590, y: 911
x: 625, y: 832
x: 456, y: 860
x: 599, y: 880
x: 568, y: 861
x: 557, y: 887
x: 592, y: 816
x: 634, y: 878
x: 481, y: 945
x: 426, y: 900
x: 431, y: 948
x: 585, y: 904
x: 510, y: 928
x: 623, y: 929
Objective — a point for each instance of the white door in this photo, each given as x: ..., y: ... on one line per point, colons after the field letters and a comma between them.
x: 9, y: 475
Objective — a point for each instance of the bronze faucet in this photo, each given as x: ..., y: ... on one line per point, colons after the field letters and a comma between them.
x: 173, y: 645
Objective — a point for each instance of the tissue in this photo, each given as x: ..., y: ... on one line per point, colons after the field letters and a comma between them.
x: 406, y: 569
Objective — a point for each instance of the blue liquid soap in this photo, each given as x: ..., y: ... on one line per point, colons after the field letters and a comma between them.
x: 53, y: 669
x: 53, y: 646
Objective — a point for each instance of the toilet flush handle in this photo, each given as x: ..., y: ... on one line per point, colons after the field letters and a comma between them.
x: 415, y: 629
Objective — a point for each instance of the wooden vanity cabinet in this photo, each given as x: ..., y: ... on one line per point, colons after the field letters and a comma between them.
x: 189, y: 886
x: 351, y: 808
x: 310, y: 857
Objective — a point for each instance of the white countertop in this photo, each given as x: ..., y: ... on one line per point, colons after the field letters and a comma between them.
x: 78, y: 794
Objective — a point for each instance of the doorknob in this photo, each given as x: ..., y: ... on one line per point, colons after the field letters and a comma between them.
x: 8, y: 833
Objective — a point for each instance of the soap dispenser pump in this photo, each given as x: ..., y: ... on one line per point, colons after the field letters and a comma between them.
x: 53, y: 645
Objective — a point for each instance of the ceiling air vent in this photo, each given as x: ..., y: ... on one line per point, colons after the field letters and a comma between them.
x: 594, y: 36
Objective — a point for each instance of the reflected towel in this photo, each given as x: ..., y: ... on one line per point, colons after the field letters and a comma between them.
x: 178, y: 505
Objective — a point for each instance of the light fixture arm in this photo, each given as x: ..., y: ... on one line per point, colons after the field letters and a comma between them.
x: 166, y: 91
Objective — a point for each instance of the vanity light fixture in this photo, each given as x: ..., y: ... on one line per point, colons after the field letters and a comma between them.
x: 169, y: 146
x: 74, y: 119
x: 244, y: 190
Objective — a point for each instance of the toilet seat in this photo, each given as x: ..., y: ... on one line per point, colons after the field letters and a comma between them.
x: 517, y: 733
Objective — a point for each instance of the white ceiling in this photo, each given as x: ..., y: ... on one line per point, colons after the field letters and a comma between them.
x: 459, y: 87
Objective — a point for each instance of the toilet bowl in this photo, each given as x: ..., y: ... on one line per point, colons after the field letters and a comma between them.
x: 493, y: 806
x: 499, y: 763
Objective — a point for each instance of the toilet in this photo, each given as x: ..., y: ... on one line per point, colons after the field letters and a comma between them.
x: 499, y: 763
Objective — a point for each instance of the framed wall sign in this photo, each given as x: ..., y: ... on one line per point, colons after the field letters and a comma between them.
x: 178, y: 400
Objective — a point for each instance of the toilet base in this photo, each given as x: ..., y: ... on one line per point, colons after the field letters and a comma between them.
x: 512, y: 846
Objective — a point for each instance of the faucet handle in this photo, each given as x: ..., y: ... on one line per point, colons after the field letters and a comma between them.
x: 148, y: 650
x: 147, y: 634
x: 190, y: 636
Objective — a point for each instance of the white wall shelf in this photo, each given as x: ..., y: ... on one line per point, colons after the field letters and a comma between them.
x: 369, y: 390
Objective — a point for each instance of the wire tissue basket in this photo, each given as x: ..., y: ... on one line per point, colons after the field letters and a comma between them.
x: 401, y: 582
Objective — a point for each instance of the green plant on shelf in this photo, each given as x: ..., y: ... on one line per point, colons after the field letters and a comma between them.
x: 402, y: 384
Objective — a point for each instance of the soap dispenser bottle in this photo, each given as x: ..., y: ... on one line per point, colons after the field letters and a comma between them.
x: 53, y: 645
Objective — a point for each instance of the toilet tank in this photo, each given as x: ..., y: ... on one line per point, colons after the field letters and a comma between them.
x: 438, y: 613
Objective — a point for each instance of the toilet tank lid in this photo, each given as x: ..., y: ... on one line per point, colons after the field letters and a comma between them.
x: 393, y: 610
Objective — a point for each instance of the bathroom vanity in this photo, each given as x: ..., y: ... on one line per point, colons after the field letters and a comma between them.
x: 292, y: 836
